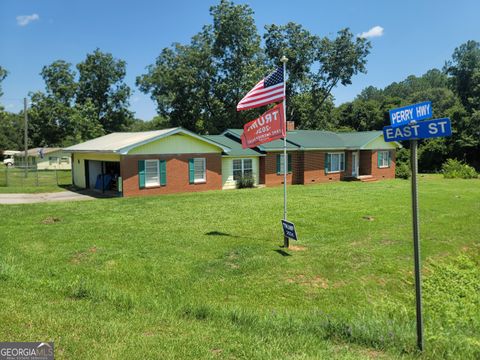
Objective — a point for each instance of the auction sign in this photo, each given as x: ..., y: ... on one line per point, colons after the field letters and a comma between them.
x: 268, y: 127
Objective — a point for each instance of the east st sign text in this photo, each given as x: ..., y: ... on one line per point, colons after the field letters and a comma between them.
x: 420, y: 130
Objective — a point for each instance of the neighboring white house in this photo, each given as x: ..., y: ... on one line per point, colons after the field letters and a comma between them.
x: 45, y: 159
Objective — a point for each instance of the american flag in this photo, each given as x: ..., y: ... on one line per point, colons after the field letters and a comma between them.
x: 267, y: 91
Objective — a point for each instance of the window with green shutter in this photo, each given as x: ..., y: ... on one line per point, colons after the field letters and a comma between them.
x: 197, y: 170
x: 163, y: 172
x: 383, y: 159
x: 141, y: 174
x: 334, y: 162
x: 191, y: 171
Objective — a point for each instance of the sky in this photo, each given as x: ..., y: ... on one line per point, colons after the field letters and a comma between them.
x: 408, y: 37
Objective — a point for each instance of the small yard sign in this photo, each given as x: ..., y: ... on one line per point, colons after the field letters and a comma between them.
x: 406, y: 114
x: 421, y: 130
x: 289, y: 230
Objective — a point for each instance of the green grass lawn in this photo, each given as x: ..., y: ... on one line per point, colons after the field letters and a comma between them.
x: 13, y: 180
x: 200, y: 276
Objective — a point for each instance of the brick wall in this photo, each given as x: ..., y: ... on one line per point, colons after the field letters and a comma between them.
x: 270, y: 169
x: 314, y: 166
x: 383, y: 173
x: 177, y: 174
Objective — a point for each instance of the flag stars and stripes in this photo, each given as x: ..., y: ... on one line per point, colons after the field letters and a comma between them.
x: 268, y: 90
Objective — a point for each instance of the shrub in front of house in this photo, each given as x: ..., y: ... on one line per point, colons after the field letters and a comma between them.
x: 245, y: 182
x: 402, y: 171
x: 455, y: 169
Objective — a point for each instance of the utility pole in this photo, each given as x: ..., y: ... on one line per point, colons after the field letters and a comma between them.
x: 26, y: 135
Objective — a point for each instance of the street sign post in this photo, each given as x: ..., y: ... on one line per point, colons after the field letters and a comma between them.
x: 407, y: 114
x: 406, y: 126
x: 289, y: 230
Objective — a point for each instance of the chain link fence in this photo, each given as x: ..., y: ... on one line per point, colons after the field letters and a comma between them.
x: 31, y: 177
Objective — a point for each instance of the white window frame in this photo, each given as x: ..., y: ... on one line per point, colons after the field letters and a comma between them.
x: 242, y: 167
x: 340, y: 168
x: 157, y: 162
x: 384, y: 164
x: 52, y: 160
x: 204, y: 178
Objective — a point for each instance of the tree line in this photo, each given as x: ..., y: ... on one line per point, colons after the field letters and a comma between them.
x: 197, y: 86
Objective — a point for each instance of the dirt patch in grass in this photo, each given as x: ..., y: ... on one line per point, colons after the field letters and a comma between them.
x: 368, y: 218
x: 217, y: 352
x: 50, y: 220
x: 313, y: 282
x: 232, y: 258
x: 83, y: 255
x: 297, y: 248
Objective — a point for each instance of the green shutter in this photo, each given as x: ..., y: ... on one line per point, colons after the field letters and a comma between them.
x: 388, y: 157
x: 327, y: 163
x: 279, y: 171
x: 141, y: 174
x: 342, y: 162
x: 289, y: 163
x: 378, y: 158
x: 163, y: 172
x: 191, y: 171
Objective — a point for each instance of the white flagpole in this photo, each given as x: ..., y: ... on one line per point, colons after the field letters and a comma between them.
x: 285, y: 159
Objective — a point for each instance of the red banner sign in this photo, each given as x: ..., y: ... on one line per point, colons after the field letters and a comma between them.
x: 268, y: 127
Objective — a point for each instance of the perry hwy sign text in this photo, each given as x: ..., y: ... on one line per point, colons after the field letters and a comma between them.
x: 406, y: 114
x: 420, y: 130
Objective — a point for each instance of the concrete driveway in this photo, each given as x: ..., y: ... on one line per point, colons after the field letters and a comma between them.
x: 43, y: 197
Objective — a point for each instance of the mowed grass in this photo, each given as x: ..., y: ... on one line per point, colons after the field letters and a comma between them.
x: 200, y: 276
x: 13, y: 180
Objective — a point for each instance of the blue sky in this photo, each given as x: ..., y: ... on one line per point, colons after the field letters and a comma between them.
x: 417, y: 35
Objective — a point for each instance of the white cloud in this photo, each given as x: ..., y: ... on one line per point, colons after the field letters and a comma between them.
x: 375, y: 31
x: 24, y: 20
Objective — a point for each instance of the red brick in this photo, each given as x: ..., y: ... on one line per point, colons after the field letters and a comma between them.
x: 177, y: 174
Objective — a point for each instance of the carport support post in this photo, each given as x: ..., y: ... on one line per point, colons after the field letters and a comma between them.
x: 416, y: 243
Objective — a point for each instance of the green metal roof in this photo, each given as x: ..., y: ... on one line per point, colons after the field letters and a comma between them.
x: 316, y: 139
x: 313, y: 139
x: 272, y: 145
x: 235, y: 146
x: 359, y: 139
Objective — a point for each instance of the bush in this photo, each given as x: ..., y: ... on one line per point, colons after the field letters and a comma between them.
x: 402, y: 171
x: 453, y: 168
x: 245, y: 182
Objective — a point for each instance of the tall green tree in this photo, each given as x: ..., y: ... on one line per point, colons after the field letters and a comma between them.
x: 316, y: 65
x: 199, y: 85
x: 80, y: 105
x: 464, y: 72
x: 101, y: 82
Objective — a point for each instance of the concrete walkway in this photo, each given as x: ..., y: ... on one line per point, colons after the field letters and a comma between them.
x: 43, y: 197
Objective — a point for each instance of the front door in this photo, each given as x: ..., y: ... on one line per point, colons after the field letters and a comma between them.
x: 355, y: 164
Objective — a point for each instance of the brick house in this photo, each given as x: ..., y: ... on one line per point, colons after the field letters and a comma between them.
x: 177, y: 160
x: 323, y: 156
x: 148, y: 163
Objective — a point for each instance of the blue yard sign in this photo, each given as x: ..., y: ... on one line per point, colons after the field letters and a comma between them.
x: 421, y: 130
x: 289, y: 230
x: 406, y: 114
